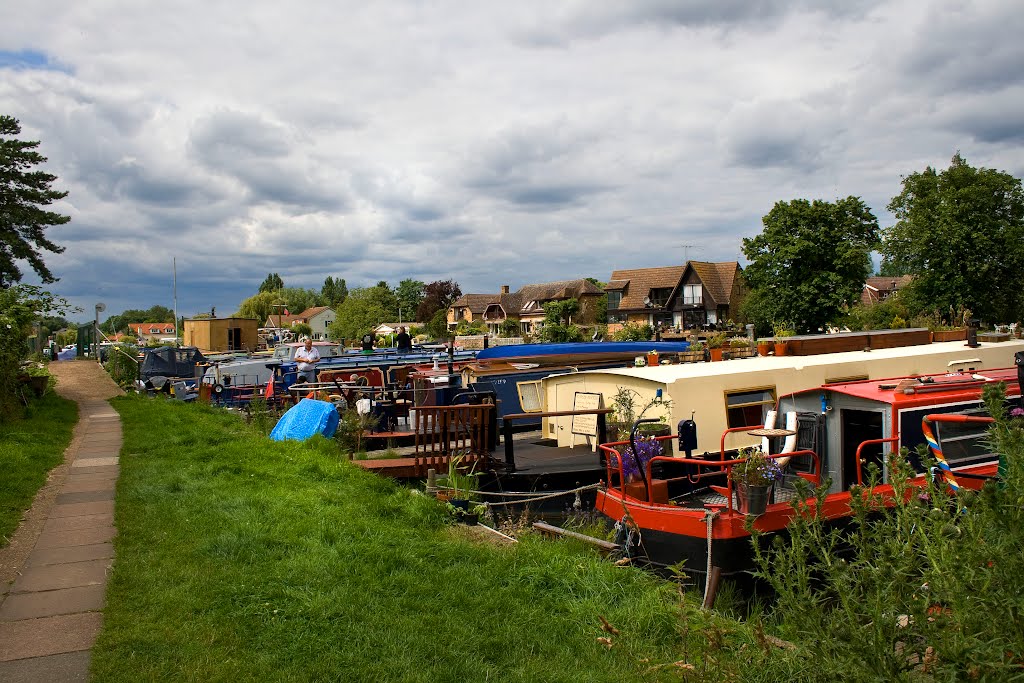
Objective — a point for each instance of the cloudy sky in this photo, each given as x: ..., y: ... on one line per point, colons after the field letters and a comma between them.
x: 489, y: 142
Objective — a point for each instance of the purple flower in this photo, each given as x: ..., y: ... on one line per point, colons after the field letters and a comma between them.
x: 646, y: 448
x: 1017, y: 412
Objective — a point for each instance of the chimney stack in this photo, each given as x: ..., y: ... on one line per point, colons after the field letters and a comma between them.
x: 504, y: 289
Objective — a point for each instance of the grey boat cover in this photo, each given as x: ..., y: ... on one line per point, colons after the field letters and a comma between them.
x: 168, y: 361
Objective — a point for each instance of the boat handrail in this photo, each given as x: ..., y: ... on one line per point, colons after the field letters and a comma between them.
x: 869, y: 442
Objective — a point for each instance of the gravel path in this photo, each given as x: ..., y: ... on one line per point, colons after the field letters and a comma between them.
x: 79, y: 381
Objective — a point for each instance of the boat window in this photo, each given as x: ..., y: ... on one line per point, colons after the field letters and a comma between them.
x: 283, y: 352
x: 748, y: 407
x: 530, y: 396
x: 964, y: 443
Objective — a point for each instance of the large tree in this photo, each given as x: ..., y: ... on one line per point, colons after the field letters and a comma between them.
x: 437, y: 296
x: 334, y: 292
x: 271, y: 283
x: 409, y: 293
x: 961, y: 233
x: 810, y: 261
x: 364, y: 309
x: 23, y: 193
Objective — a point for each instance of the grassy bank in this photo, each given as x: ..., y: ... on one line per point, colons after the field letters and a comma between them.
x: 29, y: 449
x: 243, y: 559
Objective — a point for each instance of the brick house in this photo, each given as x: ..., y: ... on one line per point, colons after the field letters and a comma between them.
x: 526, y: 304
x: 686, y: 297
x: 319, y: 319
x: 147, y: 332
x: 878, y: 289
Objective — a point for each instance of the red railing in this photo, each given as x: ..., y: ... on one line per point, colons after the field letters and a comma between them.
x: 721, y: 466
x: 870, y: 442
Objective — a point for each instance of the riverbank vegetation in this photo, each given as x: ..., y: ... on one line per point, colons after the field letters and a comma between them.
x: 29, y: 448
x: 237, y: 556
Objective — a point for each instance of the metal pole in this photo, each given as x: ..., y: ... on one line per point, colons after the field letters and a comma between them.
x: 510, y: 457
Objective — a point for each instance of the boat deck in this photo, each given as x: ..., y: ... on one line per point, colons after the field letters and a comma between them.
x: 698, y: 500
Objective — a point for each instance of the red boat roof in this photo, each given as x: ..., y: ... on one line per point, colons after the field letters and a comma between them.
x: 926, y: 389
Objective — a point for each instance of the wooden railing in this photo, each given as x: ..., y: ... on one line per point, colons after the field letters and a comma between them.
x: 444, y: 432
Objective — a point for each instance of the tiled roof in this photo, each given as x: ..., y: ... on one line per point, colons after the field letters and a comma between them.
x: 275, y: 320
x: 476, y: 303
x: 147, y: 328
x: 718, y: 278
x: 885, y: 284
x: 641, y: 281
x: 310, y: 312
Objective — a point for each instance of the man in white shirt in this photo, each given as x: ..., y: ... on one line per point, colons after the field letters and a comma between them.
x: 307, y: 357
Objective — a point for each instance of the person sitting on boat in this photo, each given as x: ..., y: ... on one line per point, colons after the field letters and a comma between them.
x: 368, y: 342
x: 307, y: 357
x: 403, y: 341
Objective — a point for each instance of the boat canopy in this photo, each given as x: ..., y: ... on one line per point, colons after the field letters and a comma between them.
x: 168, y: 361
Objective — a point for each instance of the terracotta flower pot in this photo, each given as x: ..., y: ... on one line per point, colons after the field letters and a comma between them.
x: 716, y: 354
x: 781, y: 348
x: 764, y: 348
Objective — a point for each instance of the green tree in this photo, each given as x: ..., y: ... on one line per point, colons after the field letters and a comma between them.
x: 20, y: 307
x: 297, y: 299
x: 334, y: 292
x: 634, y: 332
x: 23, y: 193
x: 810, y: 261
x: 363, y: 310
x: 510, y: 327
x: 409, y: 294
x: 961, y: 233
x: 271, y: 283
x: 260, y: 306
x: 301, y: 330
x: 561, y: 311
x: 120, y: 322
x: 437, y: 296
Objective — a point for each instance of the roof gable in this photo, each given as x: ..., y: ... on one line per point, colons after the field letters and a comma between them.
x: 636, y: 284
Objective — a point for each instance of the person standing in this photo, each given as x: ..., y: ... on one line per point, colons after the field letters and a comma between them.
x: 403, y: 341
x: 368, y: 340
x: 307, y: 357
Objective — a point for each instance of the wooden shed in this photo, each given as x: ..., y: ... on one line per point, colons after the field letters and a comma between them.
x: 222, y: 334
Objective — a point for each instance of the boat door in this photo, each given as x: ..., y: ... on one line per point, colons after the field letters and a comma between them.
x: 856, y: 427
x: 565, y: 398
x: 234, y: 338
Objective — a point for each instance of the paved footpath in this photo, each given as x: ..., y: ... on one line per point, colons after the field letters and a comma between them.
x: 51, y: 614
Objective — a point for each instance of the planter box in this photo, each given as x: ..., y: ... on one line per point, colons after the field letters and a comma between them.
x: 949, y: 335
x: 741, y: 353
x: 992, y: 337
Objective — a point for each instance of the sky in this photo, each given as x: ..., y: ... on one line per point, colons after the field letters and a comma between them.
x: 488, y: 142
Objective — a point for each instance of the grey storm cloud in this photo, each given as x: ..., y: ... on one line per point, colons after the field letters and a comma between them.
x: 447, y: 140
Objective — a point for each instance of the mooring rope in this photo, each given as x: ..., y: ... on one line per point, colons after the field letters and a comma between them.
x: 532, y: 499
x: 709, y: 518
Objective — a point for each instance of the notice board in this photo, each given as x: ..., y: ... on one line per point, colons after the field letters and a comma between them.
x: 585, y: 425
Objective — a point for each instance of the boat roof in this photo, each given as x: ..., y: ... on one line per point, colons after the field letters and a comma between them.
x: 580, y: 349
x: 667, y: 374
x: 925, y: 389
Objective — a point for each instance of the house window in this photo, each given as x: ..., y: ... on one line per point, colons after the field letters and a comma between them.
x: 748, y: 407
x: 616, y: 317
x: 693, y: 295
x: 614, y: 300
x: 660, y: 295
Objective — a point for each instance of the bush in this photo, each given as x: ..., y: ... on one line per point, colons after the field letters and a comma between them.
x: 634, y: 332
x: 122, y: 364
x: 930, y: 585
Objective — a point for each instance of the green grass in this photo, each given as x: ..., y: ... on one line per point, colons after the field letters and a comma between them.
x: 29, y: 449
x: 243, y: 559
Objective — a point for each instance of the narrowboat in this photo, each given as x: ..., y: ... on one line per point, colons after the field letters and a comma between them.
x: 686, y: 509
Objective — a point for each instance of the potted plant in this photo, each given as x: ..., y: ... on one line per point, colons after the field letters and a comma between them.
x: 715, y: 343
x: 695, y: 354
x: 625, y: 403
x: 765, y: 345
x: 783, y: 331
x: 634, y: 465
x: 461, y: 485
x: 753, y: 477
x: 740, y: 347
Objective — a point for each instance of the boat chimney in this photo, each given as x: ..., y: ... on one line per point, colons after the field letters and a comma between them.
x: 972, y: 332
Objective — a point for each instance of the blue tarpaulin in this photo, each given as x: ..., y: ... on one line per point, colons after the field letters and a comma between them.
x: 305, y: 419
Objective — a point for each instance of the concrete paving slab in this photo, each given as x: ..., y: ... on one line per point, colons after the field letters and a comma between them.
x: 108, y: 484
x: 103, y: 469
x: 94, y: 462
x: 81, y: 522
x: 65, y: 497
x: 80, y: 553
x: 75, y: 537
x: 48, y: 636
x: 56, y: 576
x: 98, y: 452
x: 75, y: 509
x: 49, y: 603
x: 77, y: 476
x: 70, y: 667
